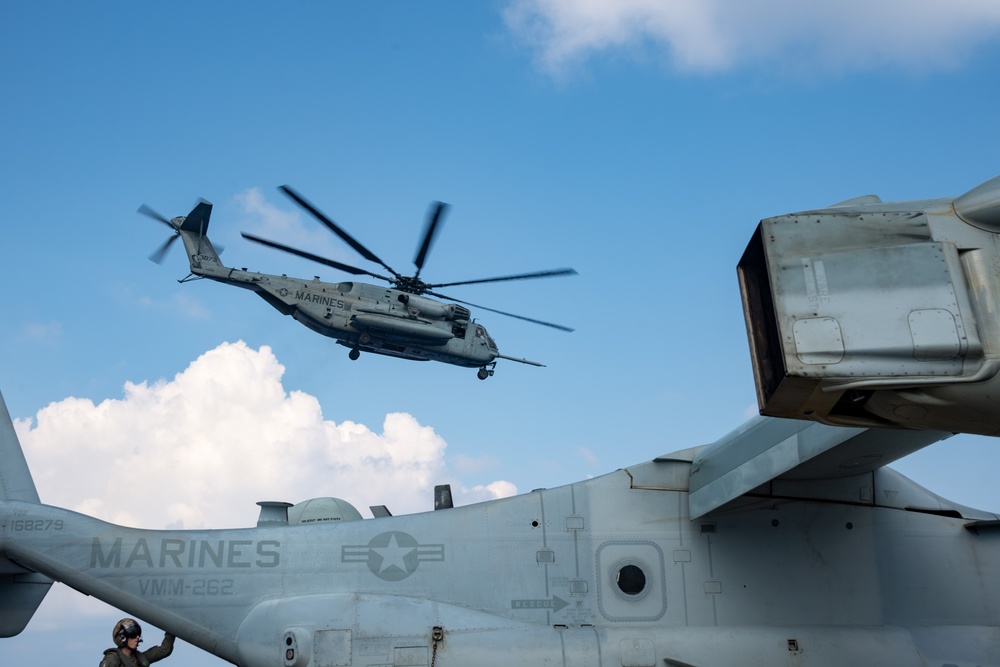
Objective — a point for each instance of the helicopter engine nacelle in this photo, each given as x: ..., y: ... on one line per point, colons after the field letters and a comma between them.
x: 433, y: 310
x: 875, y: 314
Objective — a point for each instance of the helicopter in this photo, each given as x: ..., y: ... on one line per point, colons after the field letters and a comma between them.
x: 787, y: 542
x: 397, y: 321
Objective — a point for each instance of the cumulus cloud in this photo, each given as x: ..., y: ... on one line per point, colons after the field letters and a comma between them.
x: 201, y: 449
x: 41, y: 331
x: 284, y: 225
x: 268, y: 216
x: 588, y: 455
x: 181, y: 303
x: 707, y: 36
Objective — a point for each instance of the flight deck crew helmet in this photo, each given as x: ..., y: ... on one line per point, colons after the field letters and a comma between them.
x: 126, y: 629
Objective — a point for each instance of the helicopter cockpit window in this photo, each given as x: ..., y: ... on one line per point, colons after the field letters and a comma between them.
x: 481, y: 333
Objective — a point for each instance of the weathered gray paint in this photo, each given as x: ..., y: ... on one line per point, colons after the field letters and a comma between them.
x: 531, y: 579
x: 872, y: 314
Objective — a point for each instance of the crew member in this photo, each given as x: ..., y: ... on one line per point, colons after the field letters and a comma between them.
x: 127, y: 635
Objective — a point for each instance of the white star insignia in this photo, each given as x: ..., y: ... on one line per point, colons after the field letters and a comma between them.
x: 392, y: 555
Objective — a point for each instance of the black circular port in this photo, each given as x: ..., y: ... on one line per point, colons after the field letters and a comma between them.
x: 631, y: 580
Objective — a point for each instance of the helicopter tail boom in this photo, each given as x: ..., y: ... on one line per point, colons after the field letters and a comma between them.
x: 193, y: 230
x: 15, y: 477
x: 21, y: 590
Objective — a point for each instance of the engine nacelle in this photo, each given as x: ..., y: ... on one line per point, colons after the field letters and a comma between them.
x: 879, y: 314
x: 434, y: 310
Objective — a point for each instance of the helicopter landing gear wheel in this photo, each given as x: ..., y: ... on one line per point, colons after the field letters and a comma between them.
x: 354, y: 354
x: 485, y: 372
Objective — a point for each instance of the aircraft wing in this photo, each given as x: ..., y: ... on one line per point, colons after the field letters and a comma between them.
x: 767, y: 448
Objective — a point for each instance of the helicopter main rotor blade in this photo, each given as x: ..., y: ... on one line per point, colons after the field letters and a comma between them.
x: 161, y: 252
x: 519, y: 276
x: 332, y: 226
x: 500, y: 312
x: 353, y: 270
x: 434, y: 217
x: 147, y: 211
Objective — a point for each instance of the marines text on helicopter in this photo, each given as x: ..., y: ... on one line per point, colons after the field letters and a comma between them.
x: 397, y: 321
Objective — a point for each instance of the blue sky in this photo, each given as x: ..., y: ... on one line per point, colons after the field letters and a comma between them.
x: 637, y: 141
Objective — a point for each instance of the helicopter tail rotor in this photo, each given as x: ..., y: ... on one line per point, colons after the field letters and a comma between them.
x: 160, y: 253
x: 149, y: 212
x: 196, y: 222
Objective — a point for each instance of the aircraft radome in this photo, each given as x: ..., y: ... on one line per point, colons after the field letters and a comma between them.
x: 397, y: 321
x: 874, y: 332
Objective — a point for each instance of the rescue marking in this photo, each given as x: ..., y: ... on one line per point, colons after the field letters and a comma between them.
x: 555, y: 603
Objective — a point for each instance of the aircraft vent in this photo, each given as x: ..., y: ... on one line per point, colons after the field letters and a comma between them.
x: 272, y: 513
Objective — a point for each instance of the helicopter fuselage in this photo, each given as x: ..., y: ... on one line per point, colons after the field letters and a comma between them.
x: 361, y: 316
x: 397, y: 321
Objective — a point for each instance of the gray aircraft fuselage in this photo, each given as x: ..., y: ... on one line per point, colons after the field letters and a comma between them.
x: 543, y: 578
x: 536, y: 579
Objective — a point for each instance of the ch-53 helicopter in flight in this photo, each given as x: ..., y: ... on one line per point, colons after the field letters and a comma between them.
x: 397, y: 321
x: 874, y: 332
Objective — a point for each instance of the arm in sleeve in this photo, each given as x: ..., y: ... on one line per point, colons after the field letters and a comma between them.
x: 160, y: 652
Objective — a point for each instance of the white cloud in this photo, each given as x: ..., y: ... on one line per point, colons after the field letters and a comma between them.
x: 199, y: 450
x: 284, y: 226
x: 500, y: 489
x: 268, y: 216
x: 190, y: 307
x: 787, y: 35
x: 42, y: 331
x: 290, y: 227
x: 474, y: 465
x: 182, y: 303
x: 588, y: 456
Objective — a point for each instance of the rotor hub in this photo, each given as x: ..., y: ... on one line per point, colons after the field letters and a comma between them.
x: 410, y: 284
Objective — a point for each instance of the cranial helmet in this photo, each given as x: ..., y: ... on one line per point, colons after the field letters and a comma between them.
x: 125, y: 629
